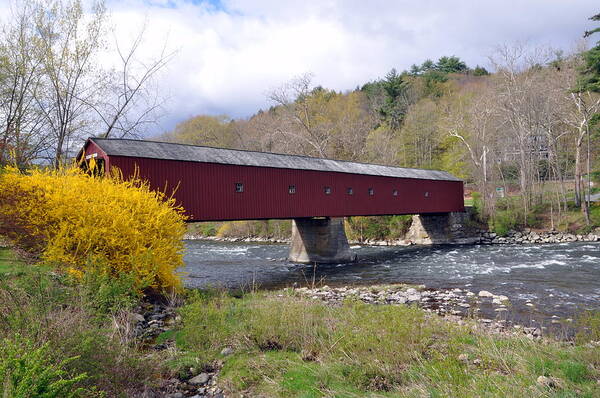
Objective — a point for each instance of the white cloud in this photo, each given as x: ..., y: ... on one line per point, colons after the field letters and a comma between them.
x: 231, y: 52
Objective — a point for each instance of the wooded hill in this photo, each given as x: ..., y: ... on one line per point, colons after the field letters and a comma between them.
x: 524, y: 128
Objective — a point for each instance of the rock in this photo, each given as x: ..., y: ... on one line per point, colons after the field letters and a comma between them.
x: 202, y: 378
x: 477, y: 361
x: 485, y: 293
x: 175, y: 395
x: 137, y: 317
x: 227, y: 351
x: 463, y: 357
x: 551, y: 382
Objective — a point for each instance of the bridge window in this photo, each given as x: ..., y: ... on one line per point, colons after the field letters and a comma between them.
x: 395, y: 192
x: 239, y: 187
x: 327, y: 190
x: 292, y: 189
x: 426, y: 194
x: 350, y: 191
x: 371, y: 192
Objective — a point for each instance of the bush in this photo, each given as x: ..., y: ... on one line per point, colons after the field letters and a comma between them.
x: 377, y: 227
x: 38, y: 309
x: 28, y: 371
x: 72, y: 220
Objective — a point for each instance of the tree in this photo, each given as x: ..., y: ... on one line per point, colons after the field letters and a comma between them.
x: 397, y: 99
x: 68, y: 44
x: 480, y: 71
x: 21, y: 122
x: 587, y: 106
x: 451, y: 64
x: 54, y: 87
x: 207, y: 130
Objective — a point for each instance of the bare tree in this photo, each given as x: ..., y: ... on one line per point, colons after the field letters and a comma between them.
x: 133, y: 100
x: 21, y: 122
x: 299, y: 110
x: 69, y: 43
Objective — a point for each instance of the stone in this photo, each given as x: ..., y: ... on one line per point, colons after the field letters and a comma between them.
x: 551, y: 382
x: 175, y: 395
x: 463, y: 357
x: 202, y: 378
x: 227, y: 351
x: 485, y: 293
x: 137, y: 317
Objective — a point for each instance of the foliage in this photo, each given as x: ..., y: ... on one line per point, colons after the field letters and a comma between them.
x: 588, y: 326
x: 480, y: 71
x: 203, y: 228
x: 106, y: 294
x: 276, y: 229
x: 377, y: 228
x: 29, y: 371
x: 41, y: 310
x: 75, y: 221
x: 590, y: 70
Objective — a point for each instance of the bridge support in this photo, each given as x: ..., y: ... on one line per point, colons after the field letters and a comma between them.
x: 443, y: 228
x: 319, y: 240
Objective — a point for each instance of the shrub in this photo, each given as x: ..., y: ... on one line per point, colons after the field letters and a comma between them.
x: 504, y: 221
x: 72, y: 220
x: 28, y: 371
x: 377, y: 227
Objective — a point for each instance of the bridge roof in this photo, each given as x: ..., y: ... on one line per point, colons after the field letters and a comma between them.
x: 194, y: 153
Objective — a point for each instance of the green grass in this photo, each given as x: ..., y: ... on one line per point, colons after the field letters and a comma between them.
x: 289, y: 346
x: 9, y: 262
x: 70, y: 333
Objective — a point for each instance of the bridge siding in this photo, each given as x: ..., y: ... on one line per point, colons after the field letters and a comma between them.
x: 207, y: 190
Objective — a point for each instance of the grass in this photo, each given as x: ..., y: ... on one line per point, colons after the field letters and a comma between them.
x: 9, y: 262
x: 289, y: 346
x: 284, y: 345
x: 65, y: 330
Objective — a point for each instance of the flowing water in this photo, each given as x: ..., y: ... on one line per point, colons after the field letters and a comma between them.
x: 558, y: 279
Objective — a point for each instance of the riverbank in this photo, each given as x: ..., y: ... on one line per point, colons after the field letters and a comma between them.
x: 376, y: 341
x: 483, y: 237
x: 319, y: 342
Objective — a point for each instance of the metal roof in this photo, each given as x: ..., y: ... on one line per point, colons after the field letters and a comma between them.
x: 203, y: 154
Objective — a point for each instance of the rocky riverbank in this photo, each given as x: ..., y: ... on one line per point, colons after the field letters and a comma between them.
x: 528, y: 236
x: 453, y: 304
x: 152, y: 319
x: 484, y: 237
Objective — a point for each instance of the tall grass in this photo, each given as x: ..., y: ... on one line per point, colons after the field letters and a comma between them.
x: 289, y: 346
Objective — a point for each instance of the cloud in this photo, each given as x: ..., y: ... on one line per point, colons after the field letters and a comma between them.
x: 231, y: 52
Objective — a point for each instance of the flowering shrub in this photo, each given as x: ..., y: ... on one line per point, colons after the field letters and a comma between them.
x: 73, y: 220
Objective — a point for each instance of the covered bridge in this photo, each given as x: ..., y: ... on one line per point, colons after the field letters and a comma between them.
x: 215, y: 184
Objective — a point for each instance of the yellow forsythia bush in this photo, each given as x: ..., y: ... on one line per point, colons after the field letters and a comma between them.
x: 76, y: 221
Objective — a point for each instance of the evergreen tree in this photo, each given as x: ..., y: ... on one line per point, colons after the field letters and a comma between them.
x: 589, y: 79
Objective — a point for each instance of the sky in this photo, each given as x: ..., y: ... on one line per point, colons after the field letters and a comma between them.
x: 231, y: 53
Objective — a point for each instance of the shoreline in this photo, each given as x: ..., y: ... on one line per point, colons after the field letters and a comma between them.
x: 484, y: 238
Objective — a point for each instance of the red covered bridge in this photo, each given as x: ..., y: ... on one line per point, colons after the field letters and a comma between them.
x: 217, y: 184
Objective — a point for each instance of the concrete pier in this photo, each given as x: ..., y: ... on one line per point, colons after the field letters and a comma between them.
x: 319, y: 240
x: 443, y: 228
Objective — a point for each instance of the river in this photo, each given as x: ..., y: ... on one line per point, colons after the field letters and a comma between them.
x: 554, y: 279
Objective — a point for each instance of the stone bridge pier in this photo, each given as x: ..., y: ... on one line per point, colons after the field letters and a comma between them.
x: 323, y: 240
x: 319, y: 240
x: 456, y: 228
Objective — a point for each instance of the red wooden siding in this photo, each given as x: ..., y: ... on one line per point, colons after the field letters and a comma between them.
x: 207, y: 190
